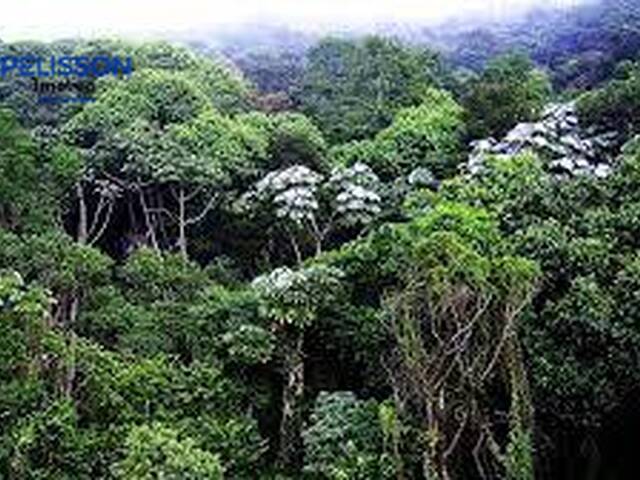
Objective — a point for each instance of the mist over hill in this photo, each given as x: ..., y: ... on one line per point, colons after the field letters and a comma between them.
x: 579, y: 43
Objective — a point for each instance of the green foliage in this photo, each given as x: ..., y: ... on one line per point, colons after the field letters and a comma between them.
x: 166, y: 304
x: 295, y: 140
x: 519, y: 458
x: 354, y: 88
x: 380, y: 155
x: 615, y: 106
x: 223, y: 85
x: 293, y: 297
x: 290, y: 139
x: 249, y: 344
x: 199, y: 400
x: 461, y: 282
x: 38, y: 438
x: 428, y: 135
x: 472, y: 224
x: 156, y: 96
x: 24, y: 200
x: 344, y: 439
x: 212, y: 148
x: 516, y: 188
x: 572, y: 371
x: 510, y: 90
x: 151, y: 276
x: 583, y: 234
x: 22, y: 312
x: 358, y: 264
x: 166, y: 127
x: 229, y: 324
x: 157, y: 451
x: 48, y: 444
x: 460, y: 245
x: 55, y: 260
x: 47, y: 437
x: 130, y: 127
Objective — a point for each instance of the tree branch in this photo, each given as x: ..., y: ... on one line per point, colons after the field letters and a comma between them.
x: 103, y: 227
x: 207, y: 208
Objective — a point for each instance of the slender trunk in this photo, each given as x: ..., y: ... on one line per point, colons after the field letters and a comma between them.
x: 397, y: 456
x: 182, y: 224
x: 432, y: 461
x: 292, y: 393
x: 151, y: 232
x: 82, y: 232
x: 69, y: 318
x: 522, y: 403
x: 70, y: 368
x: 520, y: 456
x: 396, y: 435
x: 162, y: 230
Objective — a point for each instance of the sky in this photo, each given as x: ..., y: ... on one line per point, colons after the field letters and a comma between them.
x: 53, y: 19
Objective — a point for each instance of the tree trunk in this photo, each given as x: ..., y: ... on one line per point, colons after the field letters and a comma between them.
x: 151, y: 231
x: 396, y: 435
x: 82, y: 231
x: 292, y: 393
x: 433, y: 461
x: 521, y: 415
x: 70, y: 368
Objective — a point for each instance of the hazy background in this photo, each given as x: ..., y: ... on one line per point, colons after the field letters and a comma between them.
x: 47, y: 20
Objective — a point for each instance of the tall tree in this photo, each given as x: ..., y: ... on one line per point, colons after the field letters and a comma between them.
x: 352, y: 88
x: 158, y: 137
x: 509, y: 90
x: 454, y: 321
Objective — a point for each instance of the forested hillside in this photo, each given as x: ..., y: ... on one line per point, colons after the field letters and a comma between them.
x: 362, y: 257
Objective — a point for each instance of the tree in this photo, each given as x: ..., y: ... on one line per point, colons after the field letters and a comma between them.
x: 158, y: 137
x: 454, y: 321
x: 223, y: 85
x: 615, y: 106
x: 517, y: 189
x: 25, y: 202
x: 307, y: 206
x: 583, y: 234
x: 292, y: 139
x: 510, y: 90
x: 346, y: 438
x: 353, y: 88
x: 428, y: 136
x: 39, y: 432
x: 157, y: 451
x: 293, y: 300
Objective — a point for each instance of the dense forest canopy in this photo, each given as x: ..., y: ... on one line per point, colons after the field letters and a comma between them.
x: 411, y: 256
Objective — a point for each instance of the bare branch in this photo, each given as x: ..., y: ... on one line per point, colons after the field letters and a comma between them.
x: 164, y: 211
x: 456, y: 438
x: 194, y: 194
x: 207, y: 208
x: 507, y: 330
x: 104, y: 225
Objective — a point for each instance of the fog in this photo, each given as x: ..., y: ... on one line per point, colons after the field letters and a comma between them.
x: 49, y: 20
